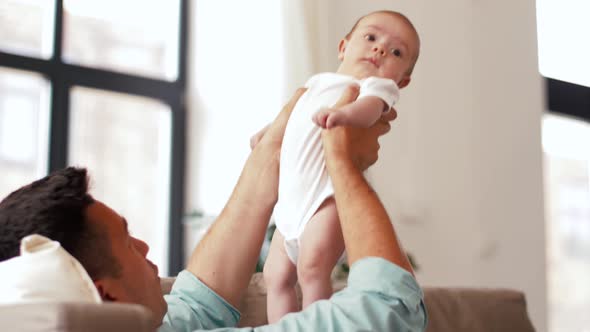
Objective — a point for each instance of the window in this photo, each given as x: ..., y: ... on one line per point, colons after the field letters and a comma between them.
x: 94, y: 84
x: 567, y: 198
x: 24, y: 126
x: 26, y: 27
x: 562, y: 28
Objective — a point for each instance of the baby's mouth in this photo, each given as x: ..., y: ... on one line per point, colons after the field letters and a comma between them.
x: 372, y: 61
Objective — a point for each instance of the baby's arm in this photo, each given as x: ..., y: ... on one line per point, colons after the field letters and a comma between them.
x: 363, y: 112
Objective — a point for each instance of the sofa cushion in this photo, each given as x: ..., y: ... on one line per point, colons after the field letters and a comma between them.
x: 45, y: 272
x: 449, y: 309
x: 477, y: 310
x: 75, y: 317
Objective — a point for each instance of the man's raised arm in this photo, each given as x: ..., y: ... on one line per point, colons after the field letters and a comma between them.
x: 366, y: 227
x: 226, y: 257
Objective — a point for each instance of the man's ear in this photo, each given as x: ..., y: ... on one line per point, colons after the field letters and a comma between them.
x: 342, y: 48
x: 404, y: 82
x: 106, y: 290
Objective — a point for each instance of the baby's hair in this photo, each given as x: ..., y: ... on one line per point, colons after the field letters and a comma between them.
x: 398, y: 15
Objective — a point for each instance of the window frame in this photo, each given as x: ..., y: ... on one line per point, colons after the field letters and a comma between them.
x: 568, y: 98
x: 63, y: 76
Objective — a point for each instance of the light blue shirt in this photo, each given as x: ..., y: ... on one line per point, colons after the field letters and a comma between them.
x: 380, y: 296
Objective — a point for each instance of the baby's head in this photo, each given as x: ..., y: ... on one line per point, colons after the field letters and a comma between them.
x: 383, y: 44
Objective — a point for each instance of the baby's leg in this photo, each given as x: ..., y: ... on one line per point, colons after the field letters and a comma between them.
x: 280, y: 276
x: 321, y: 247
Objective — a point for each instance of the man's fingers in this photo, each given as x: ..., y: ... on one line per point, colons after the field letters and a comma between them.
x: 291, y: 104
x: 383, y: 128
x: 288, y: 108
x: 384, y: 123
x: 389, y: 116
x: 349, y: 95
x: 258, y: 136
x: 275, y: 131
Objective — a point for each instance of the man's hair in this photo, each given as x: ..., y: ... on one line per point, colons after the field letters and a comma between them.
x: 55, y: 207
x: 398, y: 15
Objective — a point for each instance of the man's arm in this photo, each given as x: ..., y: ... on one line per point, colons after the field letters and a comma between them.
x: 380, y: 295
x: 226, y: 257
x: 229, y: 251
x: 363, y: 112
x: 366, y: 227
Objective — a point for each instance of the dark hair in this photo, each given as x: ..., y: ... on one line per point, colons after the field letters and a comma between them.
x: 398, y: 15
x: 55, y: 207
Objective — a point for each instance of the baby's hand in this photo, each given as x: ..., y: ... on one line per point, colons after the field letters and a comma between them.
x: 320, y: 118
x: 329, y: 117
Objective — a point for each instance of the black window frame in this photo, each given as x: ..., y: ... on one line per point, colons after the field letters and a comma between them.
x: 63, y: 76
x: 568, y: 99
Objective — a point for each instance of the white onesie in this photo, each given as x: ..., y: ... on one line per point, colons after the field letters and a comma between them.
x: 303, y: 181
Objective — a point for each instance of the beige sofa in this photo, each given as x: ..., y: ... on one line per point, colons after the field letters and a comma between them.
x: 449, y: 309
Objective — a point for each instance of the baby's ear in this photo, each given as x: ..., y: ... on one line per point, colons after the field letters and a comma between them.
x: 404, y: 82
x: 342, y: 48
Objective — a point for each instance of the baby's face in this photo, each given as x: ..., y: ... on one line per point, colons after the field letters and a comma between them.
x: 382, y: 45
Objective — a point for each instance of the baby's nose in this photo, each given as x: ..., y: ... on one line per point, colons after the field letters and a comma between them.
x: 379, y: 50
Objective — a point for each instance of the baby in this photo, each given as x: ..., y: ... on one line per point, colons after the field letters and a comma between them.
x: 378, y: 54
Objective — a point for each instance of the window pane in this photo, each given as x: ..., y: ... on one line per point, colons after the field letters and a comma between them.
x: 24, y: 128
x: 567, y: 196
x: 131, y: 36
x: 26, y: 27
x: 562, y: 27
x: 124, y: 141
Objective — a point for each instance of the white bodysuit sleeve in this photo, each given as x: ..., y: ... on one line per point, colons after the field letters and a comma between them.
x: 383, y: 88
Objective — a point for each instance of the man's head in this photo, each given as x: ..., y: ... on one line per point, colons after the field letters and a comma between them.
x: 383, y: 44
x: 60, y: 208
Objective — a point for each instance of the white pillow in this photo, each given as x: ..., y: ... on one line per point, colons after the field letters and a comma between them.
x: 44, y: 272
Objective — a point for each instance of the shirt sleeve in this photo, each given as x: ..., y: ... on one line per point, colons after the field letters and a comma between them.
x: 383, y: 88
x: 194, y: 306
x: 380, y: 297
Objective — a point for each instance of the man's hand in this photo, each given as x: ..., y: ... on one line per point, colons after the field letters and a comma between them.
x: 366, y: 227
x: 258, y: 136
x: 360, y: 145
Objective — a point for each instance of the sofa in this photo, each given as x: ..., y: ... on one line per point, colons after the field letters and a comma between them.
x: 449, y: 309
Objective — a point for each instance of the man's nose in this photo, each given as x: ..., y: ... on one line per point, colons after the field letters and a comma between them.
x: 141, y: 246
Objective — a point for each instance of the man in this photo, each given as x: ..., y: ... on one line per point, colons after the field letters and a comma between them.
x: 380, y: 296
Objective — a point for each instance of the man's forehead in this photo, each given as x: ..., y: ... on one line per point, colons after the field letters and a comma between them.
x: 100, y: 214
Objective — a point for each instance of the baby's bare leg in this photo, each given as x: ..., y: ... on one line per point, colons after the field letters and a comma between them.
x: 321, y: 247
x: 280, y: 277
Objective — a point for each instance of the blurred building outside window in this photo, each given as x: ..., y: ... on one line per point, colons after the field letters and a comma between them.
x: 566, y: 146
x: 24, y: 126
x: 109, y: 34
x: 26, y: 27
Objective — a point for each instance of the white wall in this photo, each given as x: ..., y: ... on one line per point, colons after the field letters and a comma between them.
x: 460, y: 173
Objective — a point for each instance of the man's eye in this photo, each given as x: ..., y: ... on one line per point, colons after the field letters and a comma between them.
x: 370, y: 37
x: 396, y: 52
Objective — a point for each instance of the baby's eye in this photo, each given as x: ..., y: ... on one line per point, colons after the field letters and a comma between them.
x: 370, y: 37
x: 396, y: 52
